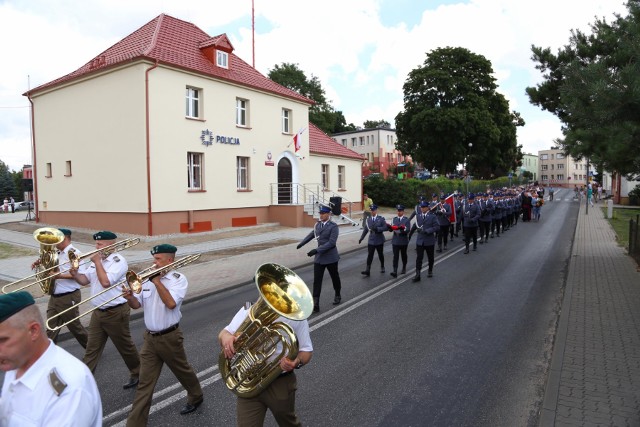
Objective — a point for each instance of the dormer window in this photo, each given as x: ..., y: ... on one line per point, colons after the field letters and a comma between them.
x: 222, y: 59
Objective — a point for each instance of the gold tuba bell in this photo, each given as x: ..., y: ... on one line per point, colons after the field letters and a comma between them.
x: 48, y: 238
x: 261, y: 342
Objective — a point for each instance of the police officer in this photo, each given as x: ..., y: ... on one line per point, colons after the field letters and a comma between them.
x: 111, y: 320
x: 325, y: 255
x: 161, y: 298
x: 486, y: 214
x: 400, y: 226
x: 471, y: 214
x: 442, y: 214
x: 426, y: 226
x: 375, y: 225
x: 44, y: 385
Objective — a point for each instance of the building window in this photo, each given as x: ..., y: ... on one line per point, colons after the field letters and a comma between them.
x: 552, y: 165
x: 242, y: 112
x: 353, y: 142
x: 242, y: 167
x: 362, y: 141
x: 560, y: 166
x: 561, y: 177
x: 193, y: 103
x: 543, y: 167
x: 286, y: 121
x: 544, y: 156
x: 68, y: 168
x: 325, y: 177
x: 544, y: 177
x: 222, y: 59
x: 559, y: 156
x: 344, y: 142
x: 194, y: 171
x: 48, y: 172
x: 341, y: 185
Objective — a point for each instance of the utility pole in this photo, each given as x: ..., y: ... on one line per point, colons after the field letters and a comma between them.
x: 587, y: 190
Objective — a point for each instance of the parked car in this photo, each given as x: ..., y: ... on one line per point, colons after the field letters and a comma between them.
x: 423, y: 175
x: 23, y: 206
x: 374, y: 175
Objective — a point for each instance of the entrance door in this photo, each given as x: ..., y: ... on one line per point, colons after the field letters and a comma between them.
x: 284, y: 181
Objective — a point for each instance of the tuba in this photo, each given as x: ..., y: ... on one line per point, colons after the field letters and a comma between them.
x: 261, y: 342
x: 45, y: 274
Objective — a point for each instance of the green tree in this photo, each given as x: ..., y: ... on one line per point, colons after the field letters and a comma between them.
x: 7, y: 185
x: 592, y: 85
x: 372, y: 124
x: 453, y: 114
x: 321, y: 113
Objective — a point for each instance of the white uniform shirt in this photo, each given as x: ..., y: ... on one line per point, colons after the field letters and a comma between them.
x: 66, y: 285
x: 32, y: 401
x: 158, y: 316
x: 116, y: 267
x: 300, y: 328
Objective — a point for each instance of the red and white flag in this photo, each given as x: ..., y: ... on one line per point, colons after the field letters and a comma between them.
x: 297, y: 139
x: 449, y: 200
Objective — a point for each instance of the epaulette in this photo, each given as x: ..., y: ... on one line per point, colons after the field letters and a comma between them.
x: 56, y: 382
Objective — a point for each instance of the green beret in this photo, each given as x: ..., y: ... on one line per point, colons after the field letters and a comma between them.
x: 164, y: 249
x: 65, y: 231
x: 13, y: 302
x: 104, y: 235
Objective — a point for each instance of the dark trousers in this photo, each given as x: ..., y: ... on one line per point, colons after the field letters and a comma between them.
x: 371, y: 250
x: 57, y: 304
x: 318, y: 274
x: 495, y: 226
x: 279, y: 397
x: 443, y: 235
x: 451, y: 230
x: 420, y: 250
x: 484, y: 229
x: 111, y: 323
x: 399, y: 251
x: 155, y: 352
x: 469, y: 234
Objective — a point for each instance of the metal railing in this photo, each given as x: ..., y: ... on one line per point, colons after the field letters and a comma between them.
x: 634, y: 239
x: 312, y: 195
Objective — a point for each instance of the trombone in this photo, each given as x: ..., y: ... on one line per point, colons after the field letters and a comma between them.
x: 132, y: 280
x: 44, y: 278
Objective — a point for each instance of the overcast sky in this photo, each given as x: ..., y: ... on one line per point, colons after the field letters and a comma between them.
x: 361, y: 50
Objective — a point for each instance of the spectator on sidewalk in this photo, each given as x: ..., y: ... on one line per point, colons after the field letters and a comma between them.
x: 12, y: 202
x: 590, y: 194
x: 366, y: 206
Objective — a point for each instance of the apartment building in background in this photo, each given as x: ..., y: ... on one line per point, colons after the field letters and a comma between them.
x: 557, y: 169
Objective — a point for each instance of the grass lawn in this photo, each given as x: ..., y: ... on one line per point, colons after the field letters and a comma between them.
x: 620, y: 223
x: 10, y: 251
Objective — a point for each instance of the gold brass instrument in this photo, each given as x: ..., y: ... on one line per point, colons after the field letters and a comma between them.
x: 132, y: 280
x: 45, y: 275
x: 257, y: 360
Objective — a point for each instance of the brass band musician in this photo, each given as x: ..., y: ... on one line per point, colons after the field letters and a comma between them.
x: 279, y: 396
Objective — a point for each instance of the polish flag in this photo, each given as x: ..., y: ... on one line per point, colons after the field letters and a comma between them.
x: 449, y: 200
x: 297, y: 139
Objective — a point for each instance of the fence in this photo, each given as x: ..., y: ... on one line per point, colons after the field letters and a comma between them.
x: 634, y: 239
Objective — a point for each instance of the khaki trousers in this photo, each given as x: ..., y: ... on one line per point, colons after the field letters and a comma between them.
x: 279, y: 398
x: 111, y: 323
x: 155, y: 352
x: 58, y: 305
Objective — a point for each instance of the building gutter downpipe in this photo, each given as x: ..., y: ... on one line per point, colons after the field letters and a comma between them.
x: 33, y: 151
x: 148, y: 147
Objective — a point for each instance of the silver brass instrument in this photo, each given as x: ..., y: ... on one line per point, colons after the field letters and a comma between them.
x: 132, y: 280
x: 45, y: 274
x: 257, y: 360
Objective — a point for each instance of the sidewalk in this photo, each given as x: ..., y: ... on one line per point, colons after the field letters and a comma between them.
x: 594, y: 378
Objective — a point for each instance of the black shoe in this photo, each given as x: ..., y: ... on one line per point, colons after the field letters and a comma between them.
x: 316, y: 308
x: 492, y: 235
x: 133, y: 382
x: 475, y: 248
x: 337, y: 300
x: 446, y: 249
x: 190, y: 407
x: 417, y: 278
x: 439, y: 250
x: 481, y: 241
x: 404, y: 270
x: 366, y: 273
x: 429, y: 274
x: 394, y: 274
x: 466, y: 251
x: 382, y: 270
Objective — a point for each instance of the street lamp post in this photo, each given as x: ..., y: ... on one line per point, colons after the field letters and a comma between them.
x: 468, y: 177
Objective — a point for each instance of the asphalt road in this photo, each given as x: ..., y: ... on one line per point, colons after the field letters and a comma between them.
x: 469, y: 347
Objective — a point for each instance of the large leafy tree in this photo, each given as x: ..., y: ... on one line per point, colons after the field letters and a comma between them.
x: 322, y: 113
x: 593, y: 86
x: 7, y: 184
x: 372, y: 124
x: 453, y: 114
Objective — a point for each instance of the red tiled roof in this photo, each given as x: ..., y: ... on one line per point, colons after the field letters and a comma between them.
x: 321, y: 143
x: 176, y: 43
